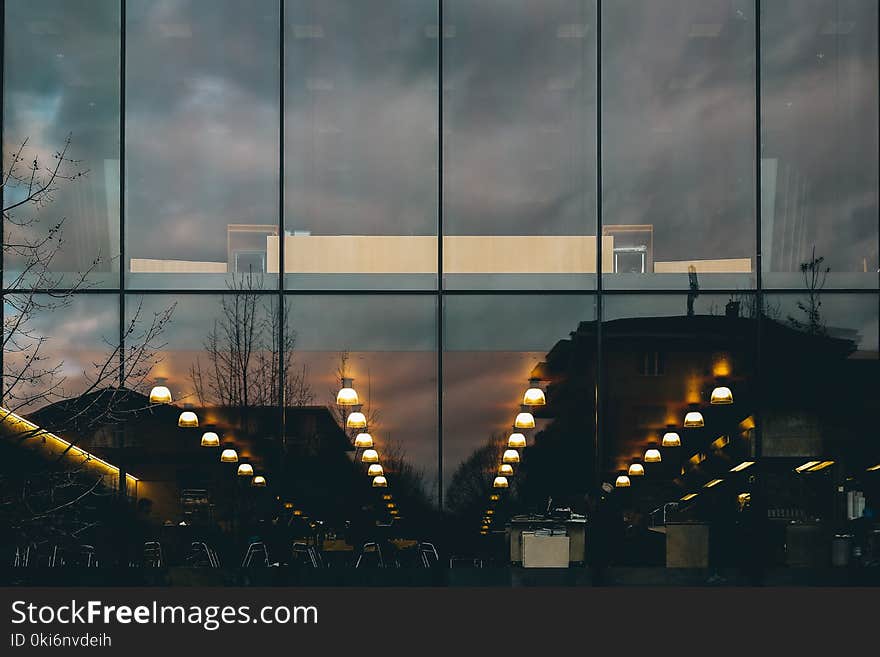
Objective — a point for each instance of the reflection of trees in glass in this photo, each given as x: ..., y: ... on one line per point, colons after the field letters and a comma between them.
x: 471, y: 483
x: 245, y: 355
x: 814, y: 280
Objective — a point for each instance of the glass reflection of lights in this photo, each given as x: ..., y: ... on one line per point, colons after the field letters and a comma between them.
x: 210, y: 439
x: 500, y: 482
x: 370, y: 456
x: 671, y: 439
x: 622, y: 481
x: 516, y: 441
x: 653, y: 456
x: 636, y: 470
x: 510, y: 456
x: 721, y: 395
x: 229, y: 455
x: 534, y: 396
x: 347, y: 395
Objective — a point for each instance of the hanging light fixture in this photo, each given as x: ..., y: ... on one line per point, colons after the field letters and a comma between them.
x: 210, y: 439
x: 380, y: 482
x: 653, y: 456
x: 347, y: 395
x: 505, y: 470
x: 524, y: 419
x: 356, y: 419
x: 363, y: 441
x: 188, y: 419
x: 490, y: 512
x: 516, y: 441
x: 721, y: 395
x: 484, y: 528
x: 622, y: 481
x: 636, y: 470
x: 387, y: 496
x: 391, y: 505
x: 160, y: 394
x: 534, y: 396
x: 259, y: 481
x: 245, y: 470
x: 694, y: 419
x: 671, y: 439
x: 394, y: 512
x: 375, y: 470
x: 510, y: 456
x: 370, y: 456
x: 494, y: 497
x: 229, y: 455
x: 500, y: 482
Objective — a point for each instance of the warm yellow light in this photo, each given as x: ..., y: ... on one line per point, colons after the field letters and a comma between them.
x: 386, y: 496
x: 510, y: 456
x: 622, y: 482
x: 245, y: 470
x: 288, y: 505
x: 484, y: 533
x: 347, y: 395
x: 391, y: 505
x: 363, y: 441
x: 534, y: 396
x: 653, y: 456
x: 689, y: 496
x: 636, y: 470
x: 516, y: 441
x: 297, y: 512
x: 188, y: 420
x: 380, y: 482
x: 720, y: 442
x: 821, y: 466
x: 484, y: 527
x: 742, y: 466
x: 806, y: 466
x: 494, y: 497
x: 500, y: 482
x: 356, y: 420
x: 210, y: 439
x: 490, y: 512
x: 370, y: 456
x: 742, y: 498
x: 394, y: 512
x: 671, y: 439
x: 505, y: 470
x: 524, y: 420
x: 712, y: 483
x: 229, y: 456
x: 694, y: 419
x: 259, y: 481
x: 697, y: 458
x: 721, y: 395
x: 160, y: 395
x: 375, y: 470
x: 874, y: 468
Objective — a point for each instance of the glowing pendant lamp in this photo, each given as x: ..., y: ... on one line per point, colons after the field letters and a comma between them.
x: 494, y: 497
x: 188, y: 419
x: 160, y: 394
x: 516, y: 441
x: 524, y: 419
x: 259, y: 481
x: 245, y: 470
x: 375, y: 470
x: 653, y: 456
x: 505, y: 470
x: 671, y: 439
x: 363, y: 441
x: 622, y: 481
x: 694, y: 419
x: 229, y: 455
x: 534, y: 396
x: 636, y: 470
x: 370, y: 456
x: 510, y: 456
x: 721, y: 395
x: 210, y: 439
x: 500, y: 482
x: 380, y: 482
x: 356, y: 419
x: 347, y: 395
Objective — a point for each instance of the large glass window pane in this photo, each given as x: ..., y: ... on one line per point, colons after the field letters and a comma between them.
x: 519, y: 169
x: 202, y: 131
x: 819, y: 140
x: 61, y: 80
x: 678, y: 142
x: 361, y: 112
x: 678, y: 427
x: 493, y: 346
x: 820, y: 386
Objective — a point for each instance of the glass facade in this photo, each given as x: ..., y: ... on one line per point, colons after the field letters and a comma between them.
x: 591, y: 269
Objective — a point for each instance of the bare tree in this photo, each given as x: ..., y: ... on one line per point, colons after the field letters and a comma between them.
x: 814, y: 280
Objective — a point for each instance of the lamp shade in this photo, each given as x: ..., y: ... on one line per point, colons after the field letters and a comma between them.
x: 363, y: 441
x: 160, y: 395
x: 494, y: 497
x: 229, y: 455
x: 370, y: 456
x: 210, y: 439
x: 245, y: 470
x: 636, y: 470
x: 694, y: 420
x: 534, y: 396
x: 524, y: 420
x: 259, y: 481
x: 188, y: 420
x: 653, y: 456
x: 380, y: 482
x: 375, y: 470
x: 356, y: 420
x: 721, y: 395
x: 622, y: 481
x: 510, y: 456
x: 347, y: 395
x: 505, y: 470
x: 500, y: 482
x: 671, y: 439
x: 516, y: 441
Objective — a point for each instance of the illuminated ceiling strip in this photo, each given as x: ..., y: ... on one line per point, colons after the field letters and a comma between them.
x: 714, y: 482
x: 742, y: 466
x: 14, y: 418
